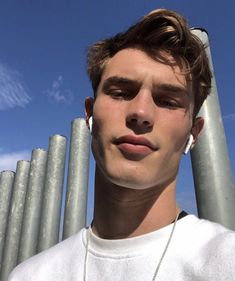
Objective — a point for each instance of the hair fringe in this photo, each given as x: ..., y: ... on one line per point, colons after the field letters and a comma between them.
x: 160, y: 31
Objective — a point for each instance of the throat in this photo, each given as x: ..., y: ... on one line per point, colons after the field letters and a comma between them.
x: 122, y: 213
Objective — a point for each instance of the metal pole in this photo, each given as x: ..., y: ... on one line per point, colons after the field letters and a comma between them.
x: 33, y: 202
x: 211, y: 165
x: 6, y: 185
x: 12, y: 239
x: 77, y: 183
x: 50, y: 218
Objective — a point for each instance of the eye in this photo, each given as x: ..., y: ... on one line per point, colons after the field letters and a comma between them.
x: 117, y: 93
x: 168, y: 103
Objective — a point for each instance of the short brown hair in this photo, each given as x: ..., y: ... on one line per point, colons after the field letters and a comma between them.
x: 161, y: 31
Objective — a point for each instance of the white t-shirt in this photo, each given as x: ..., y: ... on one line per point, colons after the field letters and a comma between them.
x: 199, y: 250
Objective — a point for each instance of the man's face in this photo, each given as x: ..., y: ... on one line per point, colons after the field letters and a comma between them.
x: 142, y: 119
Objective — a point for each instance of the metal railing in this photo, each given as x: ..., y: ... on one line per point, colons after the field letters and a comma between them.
x: 31, y: 198
x: 213, y: 179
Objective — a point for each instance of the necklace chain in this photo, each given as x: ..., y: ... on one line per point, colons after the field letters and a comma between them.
x: 159, y: 263
x: 166, y: 248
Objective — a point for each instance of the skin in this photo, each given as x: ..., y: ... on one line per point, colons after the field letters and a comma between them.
x: 142, y: 118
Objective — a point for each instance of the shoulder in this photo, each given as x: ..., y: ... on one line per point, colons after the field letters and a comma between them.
x: 211, y: 230
x: 207, y: 248
x: 205, y: 231
x: 54, y: 263
x: 219, y: 241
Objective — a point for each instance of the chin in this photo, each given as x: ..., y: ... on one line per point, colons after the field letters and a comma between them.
x: 137, y: 175
x: 131, y: 182
x: 141, y: 179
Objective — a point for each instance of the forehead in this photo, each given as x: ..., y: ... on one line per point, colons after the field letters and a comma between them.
x: 137, y: 65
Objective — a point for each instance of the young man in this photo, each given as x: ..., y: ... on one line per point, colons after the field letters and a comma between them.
x: 149, y: 83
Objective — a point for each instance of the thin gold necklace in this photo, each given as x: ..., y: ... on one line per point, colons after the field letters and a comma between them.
x: 159, y: 263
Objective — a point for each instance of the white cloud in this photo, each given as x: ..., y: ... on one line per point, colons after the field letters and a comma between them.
x: 229, y: 117
x: 8, y: 161
x: 57, y: 92
x: 12, y: 91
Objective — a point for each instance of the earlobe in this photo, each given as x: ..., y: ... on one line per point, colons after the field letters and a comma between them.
x: 90, y: 122
x: 197, y: 128
x: 89, y: 102
x: 189, y: 144
x: 195, y: 132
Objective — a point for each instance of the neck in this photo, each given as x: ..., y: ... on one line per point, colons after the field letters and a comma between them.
x: 123, y: 212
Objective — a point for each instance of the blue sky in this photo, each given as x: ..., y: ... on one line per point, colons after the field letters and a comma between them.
x: 43, y: 79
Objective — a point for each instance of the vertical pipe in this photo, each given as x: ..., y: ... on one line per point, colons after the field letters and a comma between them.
x: 50, y: 219
x: 6, y: 185
x: 11, y: 246
x: 211, y: 165
x: 77, y: 183
x: 33, y: 200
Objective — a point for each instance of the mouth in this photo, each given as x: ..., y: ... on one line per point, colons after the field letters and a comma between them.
x: 135, y: 145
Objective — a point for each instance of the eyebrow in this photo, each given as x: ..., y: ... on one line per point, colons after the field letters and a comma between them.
x: 120, y: 81
x: 175, y: 89
x: 123, y: 81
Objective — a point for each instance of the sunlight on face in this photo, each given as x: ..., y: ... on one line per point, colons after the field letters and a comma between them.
x: 142, y: 119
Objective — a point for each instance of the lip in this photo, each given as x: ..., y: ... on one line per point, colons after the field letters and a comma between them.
x: 135, y: 145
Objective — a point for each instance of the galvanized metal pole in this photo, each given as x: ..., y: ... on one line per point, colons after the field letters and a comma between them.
x: 33, y: 204
x: 211, y: 165
x: 11, y: 247
x: 6, y: 185
x: 50, y: 218
x: 77, y: 183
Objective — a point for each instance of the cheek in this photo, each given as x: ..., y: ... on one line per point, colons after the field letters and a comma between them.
x: 102, y: 107
x: 175, y: 129
x: 100, y: 114
x: 107, y: 113
x: 103, y: 120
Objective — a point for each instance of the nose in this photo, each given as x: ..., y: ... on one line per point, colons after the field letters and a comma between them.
x: 141, y: 111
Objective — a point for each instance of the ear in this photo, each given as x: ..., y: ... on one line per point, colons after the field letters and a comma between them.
x: 89, y: 102
x: 196, y: 129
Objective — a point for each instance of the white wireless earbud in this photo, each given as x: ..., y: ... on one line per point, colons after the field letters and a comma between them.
x: 90, y: 122
x: 189, y: 144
